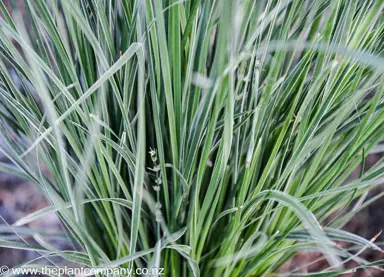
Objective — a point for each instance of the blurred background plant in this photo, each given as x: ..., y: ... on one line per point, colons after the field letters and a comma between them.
x: 207, y: 137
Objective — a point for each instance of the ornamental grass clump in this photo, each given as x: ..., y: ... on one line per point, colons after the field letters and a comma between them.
x: 208, y: 138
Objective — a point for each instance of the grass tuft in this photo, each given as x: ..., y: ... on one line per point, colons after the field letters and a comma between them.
x: 209, y: 138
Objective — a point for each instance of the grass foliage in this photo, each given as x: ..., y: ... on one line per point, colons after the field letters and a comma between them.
x: 206, y: 137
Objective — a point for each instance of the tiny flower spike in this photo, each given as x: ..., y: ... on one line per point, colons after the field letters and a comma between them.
x: 172, y: 134
x: 152, y: 152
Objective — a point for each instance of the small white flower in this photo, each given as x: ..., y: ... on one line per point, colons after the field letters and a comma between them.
x: 152, y: 152
x: 158, y: 215
x: 156, y: 168
x: 156, y: 188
